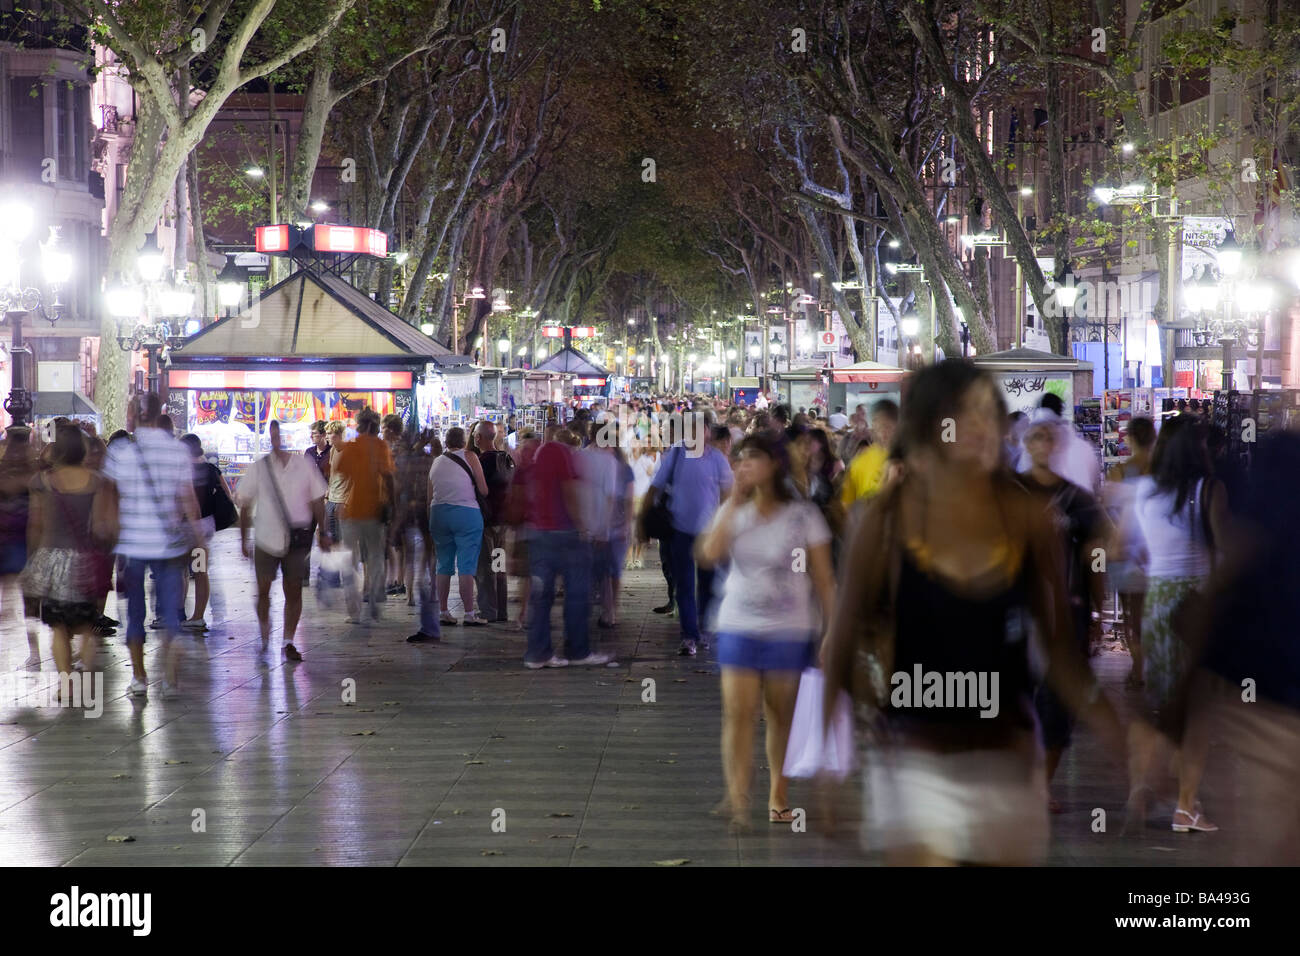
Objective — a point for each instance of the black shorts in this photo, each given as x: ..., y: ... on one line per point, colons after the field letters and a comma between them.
x: 294, y: 565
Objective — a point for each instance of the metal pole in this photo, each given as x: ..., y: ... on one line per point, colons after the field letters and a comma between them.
x: 19, y: 403
x: 1226, y: 384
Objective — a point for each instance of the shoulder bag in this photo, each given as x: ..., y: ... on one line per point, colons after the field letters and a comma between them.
x: 657, y: 521
x: 299, y: 538
x: 167, y: 513
x: 482, y: 501
x: 224, y: 512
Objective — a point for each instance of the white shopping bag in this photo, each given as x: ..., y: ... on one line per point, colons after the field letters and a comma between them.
x: 810, y: 752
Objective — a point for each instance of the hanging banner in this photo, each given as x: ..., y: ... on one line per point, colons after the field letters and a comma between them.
x: 290, y: 408
x: 212, y: 407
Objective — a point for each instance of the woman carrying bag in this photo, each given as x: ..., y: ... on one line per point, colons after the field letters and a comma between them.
x: 768, y: 626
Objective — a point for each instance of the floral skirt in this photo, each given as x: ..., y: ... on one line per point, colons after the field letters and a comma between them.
x: 1166, y: 657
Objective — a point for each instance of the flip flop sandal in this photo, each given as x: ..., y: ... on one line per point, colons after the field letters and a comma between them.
x: 780, y: 816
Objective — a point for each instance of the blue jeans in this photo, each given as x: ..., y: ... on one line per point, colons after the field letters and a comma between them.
x: 552, y: 553
x: 169, y: 586
x: 682, y: 548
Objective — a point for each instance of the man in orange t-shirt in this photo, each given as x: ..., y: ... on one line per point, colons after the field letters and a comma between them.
x: 367, y: 466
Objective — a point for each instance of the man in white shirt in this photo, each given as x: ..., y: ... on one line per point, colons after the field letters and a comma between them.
x: 760, y: 402
x: 282, y: 493
x: 838, y: 419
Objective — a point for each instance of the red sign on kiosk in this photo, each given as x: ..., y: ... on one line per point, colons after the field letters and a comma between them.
x: 272, y: 238
x: 349, y: 239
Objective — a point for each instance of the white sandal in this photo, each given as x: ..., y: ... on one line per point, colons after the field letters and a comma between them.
x: 1195, y: 821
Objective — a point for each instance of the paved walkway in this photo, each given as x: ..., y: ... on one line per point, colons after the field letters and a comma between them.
x: 261, y: 762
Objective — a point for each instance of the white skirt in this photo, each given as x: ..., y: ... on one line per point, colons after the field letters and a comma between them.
x: 975, y: 806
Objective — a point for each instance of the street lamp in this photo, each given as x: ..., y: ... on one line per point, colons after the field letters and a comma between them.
x: 17, y: 301
x: 167, y: 300
x: 230, y: 286
x: 1066, y: 292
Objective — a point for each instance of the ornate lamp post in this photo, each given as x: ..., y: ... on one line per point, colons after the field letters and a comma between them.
x: 17, y: 300
x: 151, y: 316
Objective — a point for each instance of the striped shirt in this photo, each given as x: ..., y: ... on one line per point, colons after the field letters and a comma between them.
x: 152, y: 522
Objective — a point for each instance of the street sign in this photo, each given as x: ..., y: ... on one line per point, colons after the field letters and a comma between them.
x: 828, y: 342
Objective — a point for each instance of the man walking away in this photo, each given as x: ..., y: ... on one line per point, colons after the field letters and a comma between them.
x: 366, y: 465
x: 158, y: 524
x: 556, y: 548
x: 286, y: 495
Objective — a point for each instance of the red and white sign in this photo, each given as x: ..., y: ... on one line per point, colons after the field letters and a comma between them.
x: 273, y: 379
x: 828, y: 342
x: 598, y: 382
x: 552, y: 331
x: 272, y: 239
x: 583, y: 332
x: 370, y: 242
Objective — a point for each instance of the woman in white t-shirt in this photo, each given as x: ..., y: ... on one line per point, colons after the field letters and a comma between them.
x: 768, y: 624
x: 1180, y: 511
x: 645, y: 462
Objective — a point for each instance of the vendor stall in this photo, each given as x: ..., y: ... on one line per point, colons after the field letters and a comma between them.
x: 1026, y: 375
x: 311, y: 348
x: 864, y: 383
x: 581, y: 377
x: 799, y: 387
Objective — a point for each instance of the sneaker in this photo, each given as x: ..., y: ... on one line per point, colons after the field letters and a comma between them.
x: 291, y: 653
x: 445, y: 618
x: 155, y: 625
x: 593, y: 660
x: 170, y: 691
x: 419, y: 637
x: 195, y: 624
x: 33, y: 663
x: 553, y: 662
x: 473, y: 619
x: 357, y: 619
x: 78, y: 665
x: 106, y: 621
x: 398, y: 589
x: 664, y: 608
x: 100, y: 630
x: 688, y: 649
x: 138, y: 688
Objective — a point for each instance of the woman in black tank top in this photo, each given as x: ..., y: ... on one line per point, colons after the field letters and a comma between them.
x: 931, y: 637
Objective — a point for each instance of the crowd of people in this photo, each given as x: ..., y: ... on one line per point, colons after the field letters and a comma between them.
x: 944, y: 537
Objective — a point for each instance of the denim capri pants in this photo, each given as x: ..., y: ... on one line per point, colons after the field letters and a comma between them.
x: 457, y: 537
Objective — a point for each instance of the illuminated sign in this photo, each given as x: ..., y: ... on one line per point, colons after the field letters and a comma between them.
x: 552, y: 331
x: 271, y: 380
x: 583, y: 332
x: 589, y: 381
x: 343, y: 239
x: 272, y: 239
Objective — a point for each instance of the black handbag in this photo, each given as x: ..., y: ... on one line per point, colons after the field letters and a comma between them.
x: 657, y: 521
x: 224, y: 512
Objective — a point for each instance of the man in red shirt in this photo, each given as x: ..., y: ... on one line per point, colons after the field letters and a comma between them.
x: 558, y: 545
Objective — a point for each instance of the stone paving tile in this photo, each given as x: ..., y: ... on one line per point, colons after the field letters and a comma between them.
x: 375, y: 752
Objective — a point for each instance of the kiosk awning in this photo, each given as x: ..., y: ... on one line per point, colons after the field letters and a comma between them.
x: 314, y: 317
